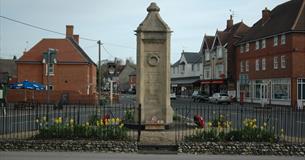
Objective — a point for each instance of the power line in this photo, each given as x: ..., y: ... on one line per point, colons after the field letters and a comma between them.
x: 107, y: 51
x: 44, y: 29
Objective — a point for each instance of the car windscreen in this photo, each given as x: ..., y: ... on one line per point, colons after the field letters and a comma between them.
x: 223, y: 94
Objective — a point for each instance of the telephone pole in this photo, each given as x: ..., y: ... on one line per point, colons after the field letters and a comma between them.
x: 99, y: 72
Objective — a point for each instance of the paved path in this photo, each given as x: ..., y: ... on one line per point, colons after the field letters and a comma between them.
x: 115, y: 156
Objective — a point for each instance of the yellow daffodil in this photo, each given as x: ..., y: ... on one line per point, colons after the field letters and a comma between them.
x: 97, y: 123
x: 121, y: 125
x: 265, y: 124
x: 37, y: 120
x: 209, y: 124
x: 44, y: 118
x: 71, y: 121
x: 59, y: 120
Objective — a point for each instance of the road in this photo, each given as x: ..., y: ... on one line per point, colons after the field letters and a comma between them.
x: 115, y: 156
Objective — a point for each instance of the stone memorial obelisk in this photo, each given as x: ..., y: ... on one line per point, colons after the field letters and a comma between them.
x: 153, y: 70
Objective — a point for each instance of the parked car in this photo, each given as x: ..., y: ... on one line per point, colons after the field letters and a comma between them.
x: 195, y: 93
x: 220, y: 98
x: 173, y: 95
x: 201, y: 97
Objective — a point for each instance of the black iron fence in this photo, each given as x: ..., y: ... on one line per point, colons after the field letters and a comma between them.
x: 79, y: 121
x: 235, y: 122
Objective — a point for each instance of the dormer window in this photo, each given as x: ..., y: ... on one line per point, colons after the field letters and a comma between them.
x: 257, y: 45
x: 283, y: 39
x: 219, y: 52
x: 247, y: 47
x: 207, y: 56
x: 242, y: 48
x: 263, y: 43
x: 275, y: 41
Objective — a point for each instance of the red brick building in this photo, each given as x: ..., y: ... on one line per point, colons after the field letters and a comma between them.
x: 72, y: 72
x: 271, y: 57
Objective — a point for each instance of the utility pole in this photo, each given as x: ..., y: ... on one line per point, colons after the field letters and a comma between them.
x: 99, y: 72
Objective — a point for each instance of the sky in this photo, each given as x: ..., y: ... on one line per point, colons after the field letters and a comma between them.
x: 114, y: 21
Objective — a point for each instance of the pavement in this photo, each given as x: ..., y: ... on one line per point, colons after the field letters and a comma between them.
x: 124, y: 156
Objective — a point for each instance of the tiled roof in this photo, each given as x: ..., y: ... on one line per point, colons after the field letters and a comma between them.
x: 192, y: 57
x: 68, y: 51
x: 282, y: 19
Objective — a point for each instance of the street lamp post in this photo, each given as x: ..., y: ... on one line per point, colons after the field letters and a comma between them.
x: 111, y: 70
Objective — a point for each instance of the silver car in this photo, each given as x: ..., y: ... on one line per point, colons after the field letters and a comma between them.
x: 220, y: 98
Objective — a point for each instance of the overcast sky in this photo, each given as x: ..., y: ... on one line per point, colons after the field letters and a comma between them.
x: 114, y: 21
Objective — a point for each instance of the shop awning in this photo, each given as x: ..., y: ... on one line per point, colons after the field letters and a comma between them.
x: 189, y: 80
x: 212, y: 81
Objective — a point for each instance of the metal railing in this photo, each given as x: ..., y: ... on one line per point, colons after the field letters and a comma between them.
x: 285, y: 123
x: 78, y: 121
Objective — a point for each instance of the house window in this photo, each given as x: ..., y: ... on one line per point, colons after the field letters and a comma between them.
x: 193, y: 66
x: 301, y: 89
x: 281, y: 89
x: 247, y: 66
x: 219, y: 70
x: 242, y: 48
x: 242, y: 66
x: 283, y: 39
x: 257, y: 45
x: 263, y: 43
x: 264, y: 64
x: 198, y: 67
x: 207, y: 56
x: 257, y: 64
x: 283, y: 61
x: 50, y: 87
x: 173, y: 70
x: 275, y: 63
x: 219, y: 52
x: 207, y: 72
x: 275, y: 40
x: 50, y: 69
x: 257, y: 89
x: 247, y: 47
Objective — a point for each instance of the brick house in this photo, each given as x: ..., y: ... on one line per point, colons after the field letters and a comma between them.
x: 218, y: 52
x: 72, y: 72
x: 270, y: 57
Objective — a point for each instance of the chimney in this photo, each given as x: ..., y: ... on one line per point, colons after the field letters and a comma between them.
x: 230, y: 22
x: 69, y: 31
x: 266, y: 15
x: 76, y: 38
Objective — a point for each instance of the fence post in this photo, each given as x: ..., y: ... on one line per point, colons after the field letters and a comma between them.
x: 139, y: 123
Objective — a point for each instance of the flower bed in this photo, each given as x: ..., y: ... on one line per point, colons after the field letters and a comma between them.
x: 105, y: 128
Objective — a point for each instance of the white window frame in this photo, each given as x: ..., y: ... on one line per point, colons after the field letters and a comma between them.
x: 207, y: 56
x: 257, y: 45
x: 283, y: 39
x: 264, y: 43
x: 275, y: 41
x: 52, y: 71
x: 263, y: 64
x: 219, y: 52
x: 247, y: 47
x: 242, y: 48
x: 207, y: 72
x: 247, y: 66
x: 283, y: 61
x: 275, y: 62
x: 50, y: 86
x: 242, y: 66
x: 257, y: 64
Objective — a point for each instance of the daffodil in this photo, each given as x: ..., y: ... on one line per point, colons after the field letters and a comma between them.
x: 44, y: 118
x: 87, y: 124
x: 209, y: 124
x: 97, y: 123
x: 121, y: 125
x: 71, y: 121
x: 265, y: 124
x: 37, y: 120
